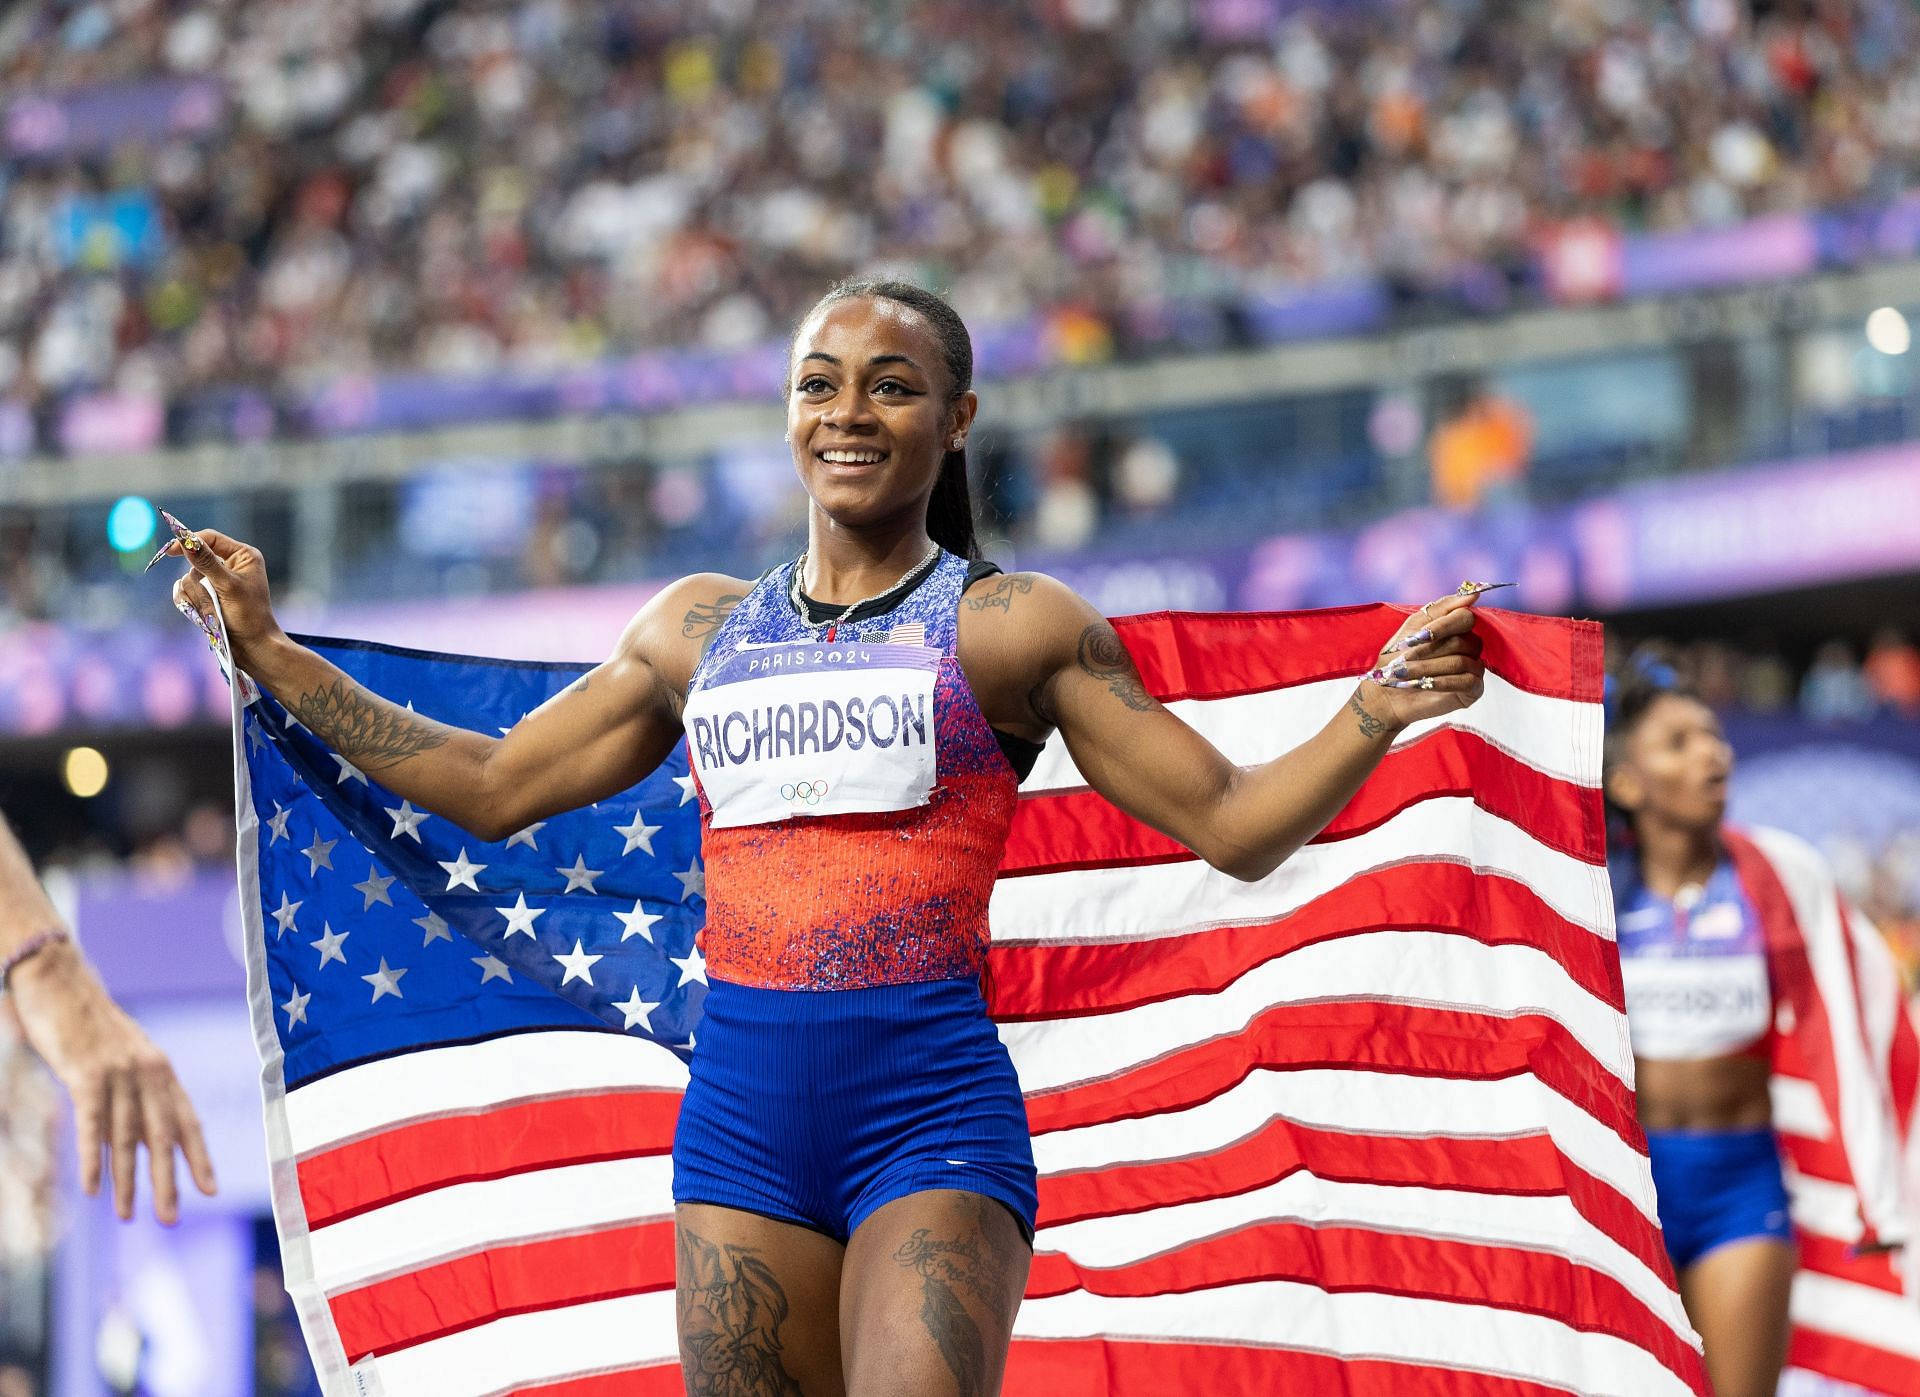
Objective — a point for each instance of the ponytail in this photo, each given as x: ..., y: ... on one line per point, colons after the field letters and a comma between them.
x: 950, y: 509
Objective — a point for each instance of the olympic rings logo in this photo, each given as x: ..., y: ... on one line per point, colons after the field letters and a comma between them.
x: 804, y: 792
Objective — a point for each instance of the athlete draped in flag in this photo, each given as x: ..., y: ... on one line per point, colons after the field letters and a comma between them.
x: 1714, y: 957
x: 852, y: 1171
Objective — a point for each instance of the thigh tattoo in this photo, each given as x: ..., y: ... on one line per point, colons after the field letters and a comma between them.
x: 951, y: 1270
x: 730, y: 1309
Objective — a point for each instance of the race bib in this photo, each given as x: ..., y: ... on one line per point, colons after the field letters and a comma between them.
x: 802, y: 728
x: 1684, y: 1007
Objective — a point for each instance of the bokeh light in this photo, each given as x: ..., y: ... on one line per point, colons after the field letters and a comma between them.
x: 1888, y: 331
x: 84, y: 769
x: 131, y: 523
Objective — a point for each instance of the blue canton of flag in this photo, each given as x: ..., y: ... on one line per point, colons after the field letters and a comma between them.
x: 389, y: 928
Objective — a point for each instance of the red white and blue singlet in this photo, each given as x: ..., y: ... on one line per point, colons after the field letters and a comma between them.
x: 854, y: 807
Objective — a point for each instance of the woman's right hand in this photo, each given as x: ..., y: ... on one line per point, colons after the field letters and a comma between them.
x: 238, y: 572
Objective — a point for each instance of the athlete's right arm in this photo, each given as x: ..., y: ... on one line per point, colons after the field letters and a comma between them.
x: 595, y: 738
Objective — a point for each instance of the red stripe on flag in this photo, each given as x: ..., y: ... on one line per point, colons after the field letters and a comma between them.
x: 1342, y: 1260
x: 1828, y: 1256
x: 420, y: 1156
x: 654, y: 1380
x: 1876, y: 1369
x: 1081, y: 829
x: 1369, y: 1035
x: 1137, y: 1368
x: 1215, y: 654
x: 1528, y: 1166
x: 509, y: 1279
x: 1060, y: 980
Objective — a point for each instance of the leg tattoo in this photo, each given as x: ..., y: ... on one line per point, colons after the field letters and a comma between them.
x: 950, y: 1268
x: 730, y: 1309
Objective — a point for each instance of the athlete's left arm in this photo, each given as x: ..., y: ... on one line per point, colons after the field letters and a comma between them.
x: 1040, y: 657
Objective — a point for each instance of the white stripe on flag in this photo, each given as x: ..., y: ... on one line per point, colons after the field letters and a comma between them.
x: 435, y: 1082
x: 465, y: 1218
x: 525, y: 1350
x: 1365, y: 1103
x: 1542, y: 732
x: 1283, y: 1314
x: 1826, y: 1209
x: 1876, y: 1318
x: 1549, y: 1225
x: 1797, y: 1108
x: 1133, y: 904
x: 1403, y: 967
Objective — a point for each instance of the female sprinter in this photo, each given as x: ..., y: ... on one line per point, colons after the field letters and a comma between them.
x: 853, y: 1174
x: 1699, y: 1008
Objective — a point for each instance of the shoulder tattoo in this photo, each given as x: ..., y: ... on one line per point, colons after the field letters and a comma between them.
x: 704, y: 620
x: 1000, y: 596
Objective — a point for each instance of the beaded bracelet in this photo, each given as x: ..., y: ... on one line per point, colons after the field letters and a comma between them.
x: 32, y: 946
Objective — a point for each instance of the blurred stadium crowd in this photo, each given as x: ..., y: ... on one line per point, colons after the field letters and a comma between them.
x: 404, y: 184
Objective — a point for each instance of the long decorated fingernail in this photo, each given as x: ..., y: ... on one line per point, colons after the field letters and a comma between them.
x: 1407, y: 642
x: 165, y: 548
x: 1474, y: 589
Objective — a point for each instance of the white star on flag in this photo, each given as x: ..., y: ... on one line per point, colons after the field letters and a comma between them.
x: 277, y: 822
x: 255, y: 739
x: 385, y: 982
x: 296, y: 1008
x: 579, y: 876
x: 693, y: 966
x: 375, y: 888
x: 283, y: 914
x: 406, y: 820
x: 319, y: 854
x: 460, y: 871
x: 520, y: 917
x: 637, y: 1010
x: 638, y: 922
x: 493, y: 968
x: 685, y: 783
x: 329, y: 944
x: 526, y: 835
x: 579, y: 965
x: 293, y: 722
x: 348, y: 771
x: 639, y: 835
x: 693, y: 881
x: 434, y: 927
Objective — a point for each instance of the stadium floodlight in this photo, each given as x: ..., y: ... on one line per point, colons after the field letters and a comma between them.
x: 131, y: 522
x: 1888, y: 331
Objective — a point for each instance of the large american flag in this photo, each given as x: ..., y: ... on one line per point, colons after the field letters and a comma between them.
x: 1363, y: 1127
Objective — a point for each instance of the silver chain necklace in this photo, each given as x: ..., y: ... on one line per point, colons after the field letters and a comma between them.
x: 833, y: 625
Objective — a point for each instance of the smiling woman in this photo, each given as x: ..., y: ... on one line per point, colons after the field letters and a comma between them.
x: 852, y: 1170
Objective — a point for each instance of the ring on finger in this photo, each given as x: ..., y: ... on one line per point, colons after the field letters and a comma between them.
x: 1426, y: 681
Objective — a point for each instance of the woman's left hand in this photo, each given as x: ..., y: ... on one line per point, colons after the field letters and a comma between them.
x: 1437, y: 669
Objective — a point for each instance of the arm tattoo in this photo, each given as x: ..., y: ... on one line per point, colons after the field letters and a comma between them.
x: 366, y: 729
x: 1000, y: 596
x: 1370, y: 726
x: 704, y: 621
x: 1106, y: 659
x: 730, y: 1309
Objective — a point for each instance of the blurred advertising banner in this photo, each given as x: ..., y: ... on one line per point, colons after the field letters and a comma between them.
x: 98, y: 118
x: 1830, y: 519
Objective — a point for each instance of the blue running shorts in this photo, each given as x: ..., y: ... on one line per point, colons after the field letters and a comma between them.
x: 817, y: 1107
x: 1716, y: 1187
